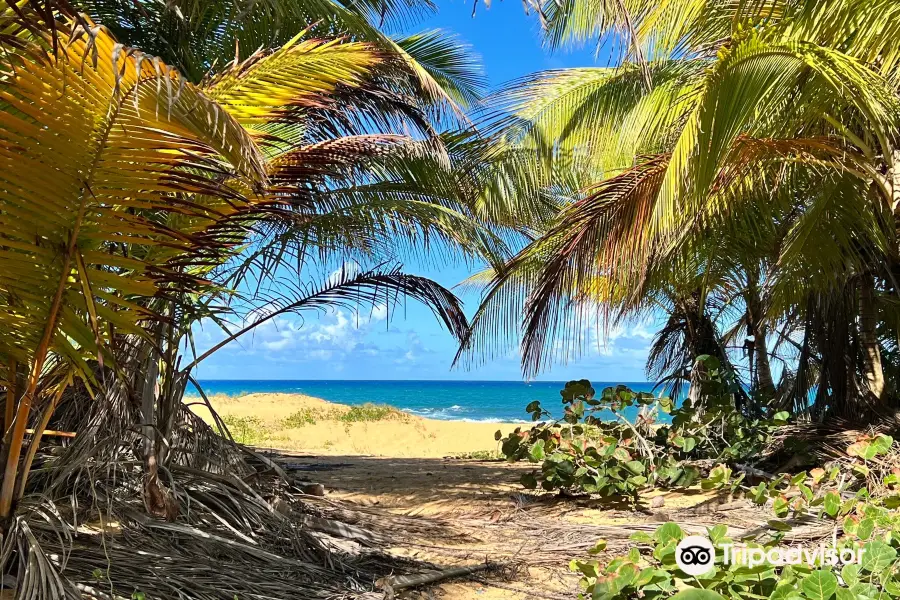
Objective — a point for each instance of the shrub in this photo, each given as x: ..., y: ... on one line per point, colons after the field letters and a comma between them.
x: 247, y: 430
x: 304, y: 416
x: 584, y: 452
x: 363, y: 413
x: 372, y: 412
x: 860, y: 521
x: 649, y: 570
x: 589, y: 453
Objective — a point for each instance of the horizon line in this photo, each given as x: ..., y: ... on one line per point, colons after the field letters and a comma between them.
x: 437, y: 380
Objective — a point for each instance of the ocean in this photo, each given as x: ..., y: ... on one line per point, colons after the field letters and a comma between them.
x: 491, y: 401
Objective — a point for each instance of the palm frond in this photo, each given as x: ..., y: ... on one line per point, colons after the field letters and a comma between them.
x: 301, y: 73
x: 351, y: 288
x: 196, y: 35
x: 450, y: 64
x: 55, y: 229
x: 599, y: 119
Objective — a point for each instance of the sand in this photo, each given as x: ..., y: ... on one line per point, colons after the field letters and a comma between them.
x: 395, y: 475
x: 401, y: 436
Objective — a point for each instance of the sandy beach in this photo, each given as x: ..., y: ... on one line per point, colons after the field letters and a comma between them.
x: 302, y: 423
x: 428, y: 483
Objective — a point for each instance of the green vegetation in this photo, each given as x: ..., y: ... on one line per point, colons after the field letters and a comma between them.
x: 373, y: 412
x: 736, y: 178
x: 253, y: 430
x: 247, y: 430
x: 301, y: 418
x: 649, y: 569
x: 188, y: 162
x: 485, y: 455
x: 212, y: 162
x: 219, y: 194
x: 363, y: 413
x: 859, y: 493
x: 595, y: 449
x: 866, y: 523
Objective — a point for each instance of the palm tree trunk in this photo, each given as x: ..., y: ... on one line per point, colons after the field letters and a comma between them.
x: 10, y: 409
x: 868, y: 339
x: 765, y: 384
x: 695, y: 392
x: 764, y: 380
x: 148, y: 412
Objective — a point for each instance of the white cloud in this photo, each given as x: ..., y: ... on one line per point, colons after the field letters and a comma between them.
x: 334, y: 337
x: 348, y: 269
x: 380, y: 312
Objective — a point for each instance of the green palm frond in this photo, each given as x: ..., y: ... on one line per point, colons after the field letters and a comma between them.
x: 301, y: 73
x: 603, y: 117
x: 200, y: 37
x: 868, y: 30
x: 56, y: 230
x: 103, y: 149
x: 195, y: 35
x: 448, y: 63
x: 746, y: 83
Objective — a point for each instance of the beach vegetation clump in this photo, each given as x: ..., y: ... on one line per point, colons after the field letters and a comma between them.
x: 866, y: 529
x: 373, y: 412
x: 301, y: 418
x: 486, y: 455
x: 596, y: 449
x: 649, y: 569
x: 247, y: 430
x: 857, y: 493
x: 362, y: 413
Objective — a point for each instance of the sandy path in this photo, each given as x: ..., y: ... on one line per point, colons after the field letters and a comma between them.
x: 396, y: 476
x: 455, y: 512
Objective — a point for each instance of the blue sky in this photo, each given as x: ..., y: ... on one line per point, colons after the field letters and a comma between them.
x: 411, y: 344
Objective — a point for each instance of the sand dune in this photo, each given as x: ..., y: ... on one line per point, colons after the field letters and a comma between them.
x: 398, y: 435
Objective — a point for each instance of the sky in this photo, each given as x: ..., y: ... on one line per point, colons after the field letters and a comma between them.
x: 409, y: 343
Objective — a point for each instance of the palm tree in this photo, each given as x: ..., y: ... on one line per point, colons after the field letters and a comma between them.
x: 199, y: 37
x: 137, y: 202
x: 769, y: 125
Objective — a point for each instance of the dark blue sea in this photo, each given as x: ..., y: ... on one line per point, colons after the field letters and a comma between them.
x: 499, y: 401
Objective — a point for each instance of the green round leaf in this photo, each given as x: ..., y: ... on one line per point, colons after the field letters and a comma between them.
x: 536, y: 453
x: 668, y: 532
x: 819, y: 585
x: 832, y: 503
x: 877, y: 556
x: 865, y: 529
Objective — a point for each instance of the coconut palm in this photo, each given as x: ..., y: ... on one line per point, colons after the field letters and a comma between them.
x: 136, y: 202
x: 199, y: 37
x: 771, y: 124
x: 355, y: 171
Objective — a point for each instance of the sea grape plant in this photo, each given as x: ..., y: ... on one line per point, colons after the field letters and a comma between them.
x: 595, y: 448
x: 589, y: 453
x: 649, y: 571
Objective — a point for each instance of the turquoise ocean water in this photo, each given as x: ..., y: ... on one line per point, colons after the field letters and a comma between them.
x: 499, y: 401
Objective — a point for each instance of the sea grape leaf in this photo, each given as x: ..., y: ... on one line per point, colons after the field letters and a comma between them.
x: 819, y: 585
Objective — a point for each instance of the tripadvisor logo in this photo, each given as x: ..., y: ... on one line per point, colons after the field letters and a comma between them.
x: 695, y: 555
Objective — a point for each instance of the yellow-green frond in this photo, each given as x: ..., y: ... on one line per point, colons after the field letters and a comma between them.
x: 302, y: 73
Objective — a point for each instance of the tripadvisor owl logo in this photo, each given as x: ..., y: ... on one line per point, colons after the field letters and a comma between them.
x: 695, y: 555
